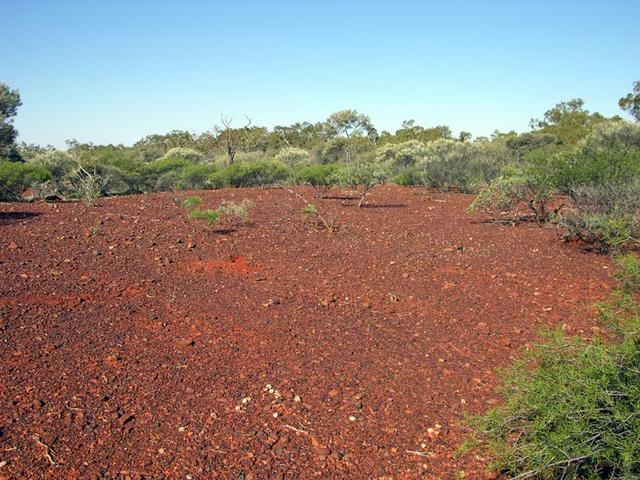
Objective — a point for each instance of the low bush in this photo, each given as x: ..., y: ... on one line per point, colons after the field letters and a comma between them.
x: 191, y: 202
x: 628, y: 274
x: 325, y: 220
x: 167, y: 181
x: 17, y: 177
x: 461, y: 166
x: 402, y: 155
x: 408, y: 176
x: 183, y: 153
x: 255, y: 174
x: 604, y: 215
x: 211, y: 216
x: 362, y: 176
x: 194, y: 177
x: 236, y: 211
x: 320, y: 176
x: 294, y: 159
x: 600, y: 179
x: 309, y: 210
x: 512, y: 188
x: 571, y: 406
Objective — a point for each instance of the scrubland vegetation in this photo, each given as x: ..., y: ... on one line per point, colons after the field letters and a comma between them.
x: 571, y: 405
x: 576, y: 168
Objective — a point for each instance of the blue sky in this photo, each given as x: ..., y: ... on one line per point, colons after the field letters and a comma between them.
x: 115, y: 71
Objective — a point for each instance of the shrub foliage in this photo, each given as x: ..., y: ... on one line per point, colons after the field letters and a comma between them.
x: 572, y: 407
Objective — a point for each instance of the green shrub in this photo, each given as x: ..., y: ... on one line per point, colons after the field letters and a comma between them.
x: 163, y: 165
x: 461, y: 166
x: 194, y: 177
x: 325, y: 220
x: 605, y: 233
x: 594, y: 178
x: 628, y: 274
x: 309, y: 210
x: 61, y: 165
x: 362, y: 176
x: 320, y: 177
x: 255, y: 174
x: 408, y: 176
x: 191, y: 202
x: 236, y: 210
x: 292, y: 157
x: 604, y: 215
x: 510, y: 189
x: 571, y: 407
x: 402, y: 155
x: 211, y: 216
x: 618, y: 135
x: 565, y: 171
x: 523, y: 144
x: 16, y: 178
x: 166, y: 182
x: 183, y: 153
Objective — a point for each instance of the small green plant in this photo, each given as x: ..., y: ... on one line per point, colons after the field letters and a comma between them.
x: 602, y: 232
x: 211, y: 216
x: 328, y: 221
x: 309, y: 210
x: 571, y: 406
x: 87, y: 184
x: 629, y: 273
x: 191, y: 202
x: 237, y: 210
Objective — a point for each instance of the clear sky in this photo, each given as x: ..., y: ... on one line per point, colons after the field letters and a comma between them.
x: 115, y: 71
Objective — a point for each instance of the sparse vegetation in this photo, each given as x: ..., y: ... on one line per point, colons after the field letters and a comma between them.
x: 211, y: 216
x: 571, y: 406
x: 309, y: 210
x: 362, y: 176
x: 320, y: 177
x: 191, y: 202
x: 16, y: 178
x: 236, y: 211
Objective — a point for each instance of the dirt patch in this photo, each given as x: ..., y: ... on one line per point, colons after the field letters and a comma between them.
x: 139, y: 344
x: 235, y: 265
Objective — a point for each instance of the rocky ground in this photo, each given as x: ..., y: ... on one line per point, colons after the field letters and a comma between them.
x: 137, y: 343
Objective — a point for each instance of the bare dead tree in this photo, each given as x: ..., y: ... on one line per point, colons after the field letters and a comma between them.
x: 232, y: 140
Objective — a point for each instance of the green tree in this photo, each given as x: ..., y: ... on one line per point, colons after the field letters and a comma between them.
x: 569, y: 121
x: 351, y: 125
x: 9, y: 103
x: 402, y: 155
x: 631, y: 102
x: 411, y: 131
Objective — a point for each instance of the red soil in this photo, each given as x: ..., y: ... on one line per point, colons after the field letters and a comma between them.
x: 131, y: 335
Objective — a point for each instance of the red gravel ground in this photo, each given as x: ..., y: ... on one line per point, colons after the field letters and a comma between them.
x: 139, y: 344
